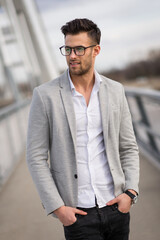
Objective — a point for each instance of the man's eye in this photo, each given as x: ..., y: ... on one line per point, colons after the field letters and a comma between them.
x: 80, y: 49
x: 67, y: 49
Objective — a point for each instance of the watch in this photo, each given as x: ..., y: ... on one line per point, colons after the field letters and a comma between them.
x: 132, y: 196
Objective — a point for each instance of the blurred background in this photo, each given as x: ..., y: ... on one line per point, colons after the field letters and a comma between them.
x: 30, y: 38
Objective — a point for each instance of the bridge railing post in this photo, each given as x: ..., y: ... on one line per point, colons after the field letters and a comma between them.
x: 145, y: 121
x: 148, y: 136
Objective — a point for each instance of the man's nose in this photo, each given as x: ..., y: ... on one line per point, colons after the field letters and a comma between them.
x: 72, y: 55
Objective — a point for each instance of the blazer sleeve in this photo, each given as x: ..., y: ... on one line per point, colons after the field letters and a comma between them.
x: 37, y: 154
x: 128, y: 149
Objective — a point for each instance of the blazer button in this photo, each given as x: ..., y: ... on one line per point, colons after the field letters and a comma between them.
x: 75, y: 175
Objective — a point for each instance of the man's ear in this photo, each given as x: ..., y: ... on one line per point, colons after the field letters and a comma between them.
x: 97, y: 49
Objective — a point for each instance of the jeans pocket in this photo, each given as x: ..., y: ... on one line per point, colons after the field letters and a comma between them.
x: 122, y: 213
x: 73, y: 224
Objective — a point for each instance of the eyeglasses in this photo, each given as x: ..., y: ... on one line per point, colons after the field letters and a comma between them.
x: 79, y: 50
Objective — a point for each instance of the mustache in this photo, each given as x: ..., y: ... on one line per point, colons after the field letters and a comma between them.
x: 74, y: 61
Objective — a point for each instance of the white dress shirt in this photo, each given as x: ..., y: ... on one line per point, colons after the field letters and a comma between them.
x: 94, y: 177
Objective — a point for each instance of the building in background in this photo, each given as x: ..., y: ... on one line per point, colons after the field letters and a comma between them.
x: 25, y: 62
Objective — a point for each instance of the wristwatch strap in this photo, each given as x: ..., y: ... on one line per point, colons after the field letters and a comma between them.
x: 131, y: 195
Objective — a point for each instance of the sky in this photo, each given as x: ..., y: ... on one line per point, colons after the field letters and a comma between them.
x: 130, y: 28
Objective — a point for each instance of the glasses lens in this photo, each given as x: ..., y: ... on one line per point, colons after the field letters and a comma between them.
x: 79, y: 51
x: 65, y: 51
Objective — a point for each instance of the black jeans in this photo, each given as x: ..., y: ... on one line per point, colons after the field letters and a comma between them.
x: 106, y: 223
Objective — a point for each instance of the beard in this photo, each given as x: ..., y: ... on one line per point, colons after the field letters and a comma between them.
x: 81, y: 69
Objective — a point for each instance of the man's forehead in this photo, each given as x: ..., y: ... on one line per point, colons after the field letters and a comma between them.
x: 77, y: 39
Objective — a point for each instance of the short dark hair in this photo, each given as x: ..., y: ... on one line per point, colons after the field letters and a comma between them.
x: 79, y: 25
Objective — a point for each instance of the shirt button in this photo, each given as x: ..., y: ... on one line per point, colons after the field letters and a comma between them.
x: 75, y: 175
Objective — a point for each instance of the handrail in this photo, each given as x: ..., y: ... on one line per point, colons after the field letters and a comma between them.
x: 9, y: 110
x: 142, y: 125
x: 133, y: 91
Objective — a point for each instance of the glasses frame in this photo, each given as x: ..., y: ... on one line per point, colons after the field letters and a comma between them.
x: 74, y: 49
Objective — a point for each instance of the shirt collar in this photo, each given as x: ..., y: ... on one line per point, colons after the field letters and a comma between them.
x: 98, y: 80
x: 71, y: 83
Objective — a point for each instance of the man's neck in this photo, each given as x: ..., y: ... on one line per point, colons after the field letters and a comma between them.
x: 83, y: 82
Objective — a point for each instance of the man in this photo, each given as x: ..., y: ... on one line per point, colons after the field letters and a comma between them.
x: 82, y: 119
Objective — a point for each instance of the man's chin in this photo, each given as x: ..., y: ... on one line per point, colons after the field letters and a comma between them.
x: 75, y: 72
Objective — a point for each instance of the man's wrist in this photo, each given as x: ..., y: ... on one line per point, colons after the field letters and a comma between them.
x: 132, y: 194
x: 58, y: 210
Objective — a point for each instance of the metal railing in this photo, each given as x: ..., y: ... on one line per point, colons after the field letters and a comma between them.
x: 11, y: 109
x: 145, y: 109
x: 13, y: 124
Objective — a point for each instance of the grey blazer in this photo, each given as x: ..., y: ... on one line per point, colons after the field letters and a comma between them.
x: 52, y: 134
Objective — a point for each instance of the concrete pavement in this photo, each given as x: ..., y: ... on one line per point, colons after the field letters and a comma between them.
x: 23, y: 218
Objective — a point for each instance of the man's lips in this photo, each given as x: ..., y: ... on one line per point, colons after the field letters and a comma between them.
x: 73, y: 64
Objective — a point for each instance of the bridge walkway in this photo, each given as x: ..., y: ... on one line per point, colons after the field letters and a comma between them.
x: 22, y: 216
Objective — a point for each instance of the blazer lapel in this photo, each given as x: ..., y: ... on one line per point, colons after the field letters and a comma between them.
x: 66, y: 96
x: 104, y: 106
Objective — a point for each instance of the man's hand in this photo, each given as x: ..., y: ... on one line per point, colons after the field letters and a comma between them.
x: 123, y: 201
x: 67, y: 214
